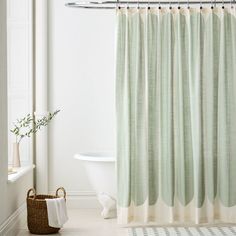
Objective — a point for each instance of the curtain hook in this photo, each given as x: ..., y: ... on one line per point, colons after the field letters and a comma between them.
x: 127, y: 4
x: 148, y: 5
x: 223, y: 4
x: 212, y: 4
x: 159, y: 4
x: 118, y: 4
x: 178, y: 5
x: 138, y: 4
x: 170, y: 5
x: 215, y: 3
x: 188, y: 5
x: 201, y: 4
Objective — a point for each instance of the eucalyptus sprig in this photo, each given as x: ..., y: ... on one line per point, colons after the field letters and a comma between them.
x: 27, y: 126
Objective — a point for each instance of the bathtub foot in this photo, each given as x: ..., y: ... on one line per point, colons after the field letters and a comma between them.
x: 109, y: 205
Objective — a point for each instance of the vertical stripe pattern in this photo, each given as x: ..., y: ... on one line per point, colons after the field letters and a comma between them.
x: 176, y: 113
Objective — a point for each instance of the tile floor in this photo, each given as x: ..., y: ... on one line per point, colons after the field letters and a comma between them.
x: 86, y: 222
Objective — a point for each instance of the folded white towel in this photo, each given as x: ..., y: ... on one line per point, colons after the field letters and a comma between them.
x: 57, y: 213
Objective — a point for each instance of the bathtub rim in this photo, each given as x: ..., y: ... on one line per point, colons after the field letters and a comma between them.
x: 91, y: 156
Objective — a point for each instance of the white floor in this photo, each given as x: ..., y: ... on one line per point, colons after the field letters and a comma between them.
x: 86, y: 222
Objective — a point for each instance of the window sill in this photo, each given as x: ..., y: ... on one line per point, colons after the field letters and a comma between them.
x: 20, y: 172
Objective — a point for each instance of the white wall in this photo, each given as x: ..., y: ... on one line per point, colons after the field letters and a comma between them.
x: 82, y: 85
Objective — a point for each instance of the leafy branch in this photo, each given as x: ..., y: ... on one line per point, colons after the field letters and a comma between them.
x: 27, y: 126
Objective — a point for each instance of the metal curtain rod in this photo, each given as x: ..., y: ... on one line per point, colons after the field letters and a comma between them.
x: 115, y: 4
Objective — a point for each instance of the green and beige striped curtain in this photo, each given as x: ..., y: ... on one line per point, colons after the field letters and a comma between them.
x: 176, y: 115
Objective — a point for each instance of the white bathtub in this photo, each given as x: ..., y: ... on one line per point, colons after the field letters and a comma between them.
x: 100, y: 168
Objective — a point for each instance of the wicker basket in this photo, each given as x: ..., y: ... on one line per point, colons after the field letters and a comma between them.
x: 37, y: 216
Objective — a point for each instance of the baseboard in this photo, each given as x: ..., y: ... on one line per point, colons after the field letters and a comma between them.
x: 12, y: 225
x: 81, y: 200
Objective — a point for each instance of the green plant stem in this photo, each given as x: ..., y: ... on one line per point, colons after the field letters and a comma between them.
x: 31, y: 125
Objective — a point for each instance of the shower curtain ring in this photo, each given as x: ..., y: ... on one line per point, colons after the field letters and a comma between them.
x: 223, y: 4
x: 212, y: 4
x: 170, y: 7
x: 201, y: 4
x: 159, y: 5
x: 118, y: 4
x: 148, y: 7
x: 178, y: 5
x: 188, y: 5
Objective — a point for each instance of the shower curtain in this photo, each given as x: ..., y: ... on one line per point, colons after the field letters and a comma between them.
x: 176, y: 115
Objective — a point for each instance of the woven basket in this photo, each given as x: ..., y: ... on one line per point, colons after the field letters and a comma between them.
x: 37, y: 215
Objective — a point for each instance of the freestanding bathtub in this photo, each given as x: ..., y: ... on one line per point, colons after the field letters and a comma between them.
x: 101, y: 170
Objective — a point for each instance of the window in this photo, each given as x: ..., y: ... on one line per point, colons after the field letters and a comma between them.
x: 20, y: 71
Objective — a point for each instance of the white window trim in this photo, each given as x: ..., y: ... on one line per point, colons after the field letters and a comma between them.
x: 41, y: 100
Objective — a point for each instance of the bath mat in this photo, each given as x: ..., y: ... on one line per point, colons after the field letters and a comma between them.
x: 183, y: 231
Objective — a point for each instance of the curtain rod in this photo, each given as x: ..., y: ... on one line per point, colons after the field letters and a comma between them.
x: 115, y: 4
